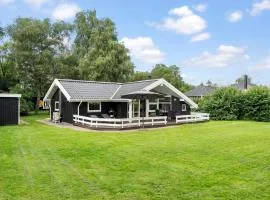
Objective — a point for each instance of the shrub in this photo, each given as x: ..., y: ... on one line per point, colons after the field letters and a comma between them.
x: 26, y: 105
x: 256, y: 103
x: 231, y: 104
x: 223, y: 104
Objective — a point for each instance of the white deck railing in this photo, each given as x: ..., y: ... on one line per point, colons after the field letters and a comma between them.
x: 193, y: 117
x: 119, y: 123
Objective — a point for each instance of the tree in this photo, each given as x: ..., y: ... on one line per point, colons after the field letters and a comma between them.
x: 211, y: 84
x: 171, y: 74
x: 36, y: 45
x: 26, y: 104
x: 2, y: 32
x: 7, y: 68
x: 139, y: 76
x: 100, y: 55
x: 67, y: 66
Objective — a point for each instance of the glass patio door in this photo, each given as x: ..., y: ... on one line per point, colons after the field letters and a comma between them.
x: 135, y: 108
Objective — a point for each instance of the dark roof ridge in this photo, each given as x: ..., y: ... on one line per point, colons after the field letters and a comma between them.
x: 104, y: 82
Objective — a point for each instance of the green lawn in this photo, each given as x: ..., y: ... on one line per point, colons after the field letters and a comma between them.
x: 214, y: 160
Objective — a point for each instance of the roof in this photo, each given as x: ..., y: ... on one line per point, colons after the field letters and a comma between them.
x: 8, y: 95
x: 201, y: 91
x: 132, y: 87
x: 94, y: 90
x: 83, y: 90
x: 241, y: 85
x: 80, y: 90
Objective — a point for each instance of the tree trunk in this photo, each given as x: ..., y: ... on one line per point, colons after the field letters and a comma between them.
x: 37, y: 103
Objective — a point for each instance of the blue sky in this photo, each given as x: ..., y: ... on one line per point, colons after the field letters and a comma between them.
x: 208, y: 40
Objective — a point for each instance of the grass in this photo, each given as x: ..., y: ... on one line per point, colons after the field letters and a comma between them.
x: 215, y: 160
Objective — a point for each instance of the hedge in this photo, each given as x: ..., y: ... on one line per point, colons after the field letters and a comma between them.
x: 228, y: 103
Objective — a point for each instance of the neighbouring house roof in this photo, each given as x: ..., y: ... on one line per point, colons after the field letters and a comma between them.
x: 241, y: 85
x: 80, y: 90
x: 201, y: 91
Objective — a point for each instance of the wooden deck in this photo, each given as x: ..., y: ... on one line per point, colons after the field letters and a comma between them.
x: 136, y: 123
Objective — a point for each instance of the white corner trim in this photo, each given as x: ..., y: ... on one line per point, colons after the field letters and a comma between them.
x: 116, y: 91
x: 170, y: 86
x: 19, y: 111
x: 101, y: 100
x: 58, y: 84
x: 63, y: 90
x: 50, y: 90
x: 153, y: 85
x: 10, y: 95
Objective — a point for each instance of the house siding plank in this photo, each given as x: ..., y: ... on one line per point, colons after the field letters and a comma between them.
x: 177, y: 107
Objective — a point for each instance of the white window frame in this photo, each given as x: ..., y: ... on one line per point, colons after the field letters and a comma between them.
x: 94, y: 111
x: 56, y: 102
x: 151, y: 104
x: 184, y: 107
x: 136, y: 113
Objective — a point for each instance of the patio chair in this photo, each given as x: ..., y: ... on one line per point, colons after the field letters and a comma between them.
x: 171, y: 115
x: 157, y: 112
x: 106, y: 116
x: 152, y: 115
x: 56, y: 117
x: 93, y: 116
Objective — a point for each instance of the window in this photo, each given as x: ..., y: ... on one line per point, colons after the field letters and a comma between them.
x: 184, y: 107
x: 94, y: 106
x: 135, y: 108
x: 56, y: 106
x: 153, y: 107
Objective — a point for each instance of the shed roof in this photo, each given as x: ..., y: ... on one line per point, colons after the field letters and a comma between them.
x: 201, y: 91
x: 9, y: 95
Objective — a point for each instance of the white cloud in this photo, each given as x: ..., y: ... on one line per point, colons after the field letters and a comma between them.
x: 201, y: 7
x: 224, y: 56
x: 182, y: 11
x: 200, y: 37
x: 65, y: 11
x: 144, y: 49
x: 259, y: 7
x: 36, y: 3
x: 265, y: 64
x: 230, y: 49
x: 182, y: 21
x: 5, y: 2
x: 235, y: 16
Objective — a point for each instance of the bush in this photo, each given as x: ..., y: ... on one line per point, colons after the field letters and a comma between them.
x: 26, y: 104
x: 256, y: 103
x: 223, y: 104
x: 231, y: 104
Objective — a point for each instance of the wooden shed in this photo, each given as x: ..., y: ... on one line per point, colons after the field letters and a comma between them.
x: 9, y: 109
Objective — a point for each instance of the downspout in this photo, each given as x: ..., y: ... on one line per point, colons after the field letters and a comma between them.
x: 78, y: 109
x: 50, y: 106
